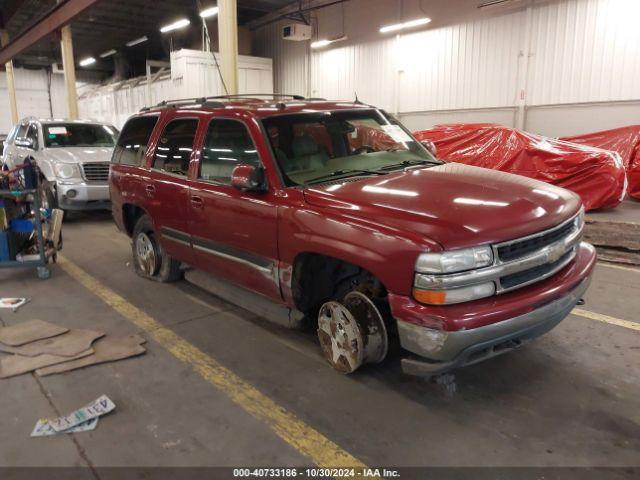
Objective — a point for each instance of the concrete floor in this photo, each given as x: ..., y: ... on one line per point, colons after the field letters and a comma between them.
x: 572, y: 398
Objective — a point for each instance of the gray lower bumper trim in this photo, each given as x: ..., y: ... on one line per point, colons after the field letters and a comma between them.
x: 457, y: 349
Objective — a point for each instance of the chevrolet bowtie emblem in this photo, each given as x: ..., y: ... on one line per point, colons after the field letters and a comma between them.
x: 555, y: 253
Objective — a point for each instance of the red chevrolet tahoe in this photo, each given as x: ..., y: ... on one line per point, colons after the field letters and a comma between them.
x: 330, y: 214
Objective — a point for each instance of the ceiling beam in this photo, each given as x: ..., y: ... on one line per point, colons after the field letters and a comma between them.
x: 59, y: 16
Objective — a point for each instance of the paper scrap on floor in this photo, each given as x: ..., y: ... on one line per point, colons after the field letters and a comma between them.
x: 43, y: 428
x: 12, y: 303
x: 97, y: 408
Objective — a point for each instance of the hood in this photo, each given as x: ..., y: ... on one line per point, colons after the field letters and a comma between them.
x: 453, y: 204
x: 79, y: 154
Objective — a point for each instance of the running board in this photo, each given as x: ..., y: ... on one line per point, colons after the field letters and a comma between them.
x: 277, y: 313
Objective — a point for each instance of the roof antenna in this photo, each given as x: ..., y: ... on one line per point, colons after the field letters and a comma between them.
x: 357, y: 102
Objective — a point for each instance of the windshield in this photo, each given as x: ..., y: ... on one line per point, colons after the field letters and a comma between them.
x: 58, y: 135
x: 315, y: 147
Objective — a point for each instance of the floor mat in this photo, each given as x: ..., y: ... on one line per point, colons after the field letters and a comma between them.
x: 29, y: 331
x: 107, y: 349
x: 17, y: 364
x: 69, y: 344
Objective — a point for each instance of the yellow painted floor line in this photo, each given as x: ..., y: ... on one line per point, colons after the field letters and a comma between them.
x: 606, y: 319
x: 619, y: 267
x: 308, y: 441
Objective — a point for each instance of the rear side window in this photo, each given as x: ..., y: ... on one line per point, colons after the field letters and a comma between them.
x: 133, y: 141
x: 173, y: 152
x: 226, y: 145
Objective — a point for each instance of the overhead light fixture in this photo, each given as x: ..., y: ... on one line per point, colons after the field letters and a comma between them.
x: 137, y: 41
x: 402, y: 26
x: 108, y: 53
x: 209, y: 12
x: 87, y: 61
x: 325, y: 42
x: 175, y: 25
x: 496, y: 3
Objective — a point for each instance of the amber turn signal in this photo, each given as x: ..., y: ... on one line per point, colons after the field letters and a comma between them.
x: 430, y: 297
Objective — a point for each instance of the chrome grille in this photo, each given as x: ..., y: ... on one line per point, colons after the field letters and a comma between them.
x: 553, y: 249
x: 535, y: 274
x: 522, y: 248
x: 96, y: 172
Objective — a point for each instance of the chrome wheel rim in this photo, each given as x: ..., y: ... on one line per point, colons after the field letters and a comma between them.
x: 340, y: 337
x: 146, y: 254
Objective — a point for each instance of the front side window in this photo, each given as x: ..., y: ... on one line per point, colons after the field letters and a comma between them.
x: 64, y: 135
x: 316, y: 147
x: 133, y: 141
x: 22, y: 130
x: 226, y: 145
x: 173, y: 152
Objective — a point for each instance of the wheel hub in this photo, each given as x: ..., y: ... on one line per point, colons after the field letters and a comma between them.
x: 340, y: 337
x: 352, y: 333
x: 146, y: 254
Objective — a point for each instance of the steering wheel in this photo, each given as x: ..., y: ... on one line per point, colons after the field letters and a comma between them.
x: 364, y: 149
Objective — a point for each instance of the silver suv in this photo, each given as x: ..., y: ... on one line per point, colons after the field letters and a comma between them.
x: 73, y: 157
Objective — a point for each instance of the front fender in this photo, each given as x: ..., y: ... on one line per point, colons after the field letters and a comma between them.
x: 387, y: 253
x: 46, y: 168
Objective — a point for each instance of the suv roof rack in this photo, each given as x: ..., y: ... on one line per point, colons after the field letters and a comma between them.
x: 211, y: 103
x: 252, y: 95
x: 204, y: 101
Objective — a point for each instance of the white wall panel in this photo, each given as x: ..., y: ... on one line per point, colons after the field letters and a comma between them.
x: 585, y: 51
x: 469, y: 62
x: 471, y: 65
x: 32, y: 90
x: 290, y: 60
x: 193, y: 74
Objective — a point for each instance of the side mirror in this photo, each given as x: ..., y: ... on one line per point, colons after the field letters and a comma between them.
x: 25, y: 142
x: 429, y: 145
x: 248, y: 178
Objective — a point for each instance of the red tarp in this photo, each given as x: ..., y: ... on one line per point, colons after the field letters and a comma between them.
x: 625, y: 141
x: 596, y: 175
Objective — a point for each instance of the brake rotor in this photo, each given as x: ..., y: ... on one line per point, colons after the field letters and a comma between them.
x: 340, y: 337
x: 371, y: 326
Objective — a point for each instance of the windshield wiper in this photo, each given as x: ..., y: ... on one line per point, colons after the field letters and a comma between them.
x: 345, y: 173
x: 409, y: 163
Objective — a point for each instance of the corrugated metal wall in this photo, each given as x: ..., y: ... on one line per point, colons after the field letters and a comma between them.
x: 33, y: 96
x: 580, y: 51
x: 193, y: 74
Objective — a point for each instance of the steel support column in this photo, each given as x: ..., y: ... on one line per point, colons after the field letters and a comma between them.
x: 69, y: 66
x: 228, y: 41
x: 11, y: 83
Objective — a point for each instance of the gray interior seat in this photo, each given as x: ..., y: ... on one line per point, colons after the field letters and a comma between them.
x: 307, y: 154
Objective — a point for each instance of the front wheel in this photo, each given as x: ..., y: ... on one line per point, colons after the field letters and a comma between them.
x: 352, y: 332
x: 48, y: 197
x: 149, y: 258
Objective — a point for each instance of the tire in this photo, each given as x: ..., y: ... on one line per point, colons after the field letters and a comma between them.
x: 48, y: 197
x: 149, y: 258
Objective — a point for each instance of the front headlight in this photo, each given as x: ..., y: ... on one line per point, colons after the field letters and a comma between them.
x: 455, y: 260
x: 67, y: 170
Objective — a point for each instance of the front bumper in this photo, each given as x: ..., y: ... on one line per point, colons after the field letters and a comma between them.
x: 83, y: 196
x: 438, y: 350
